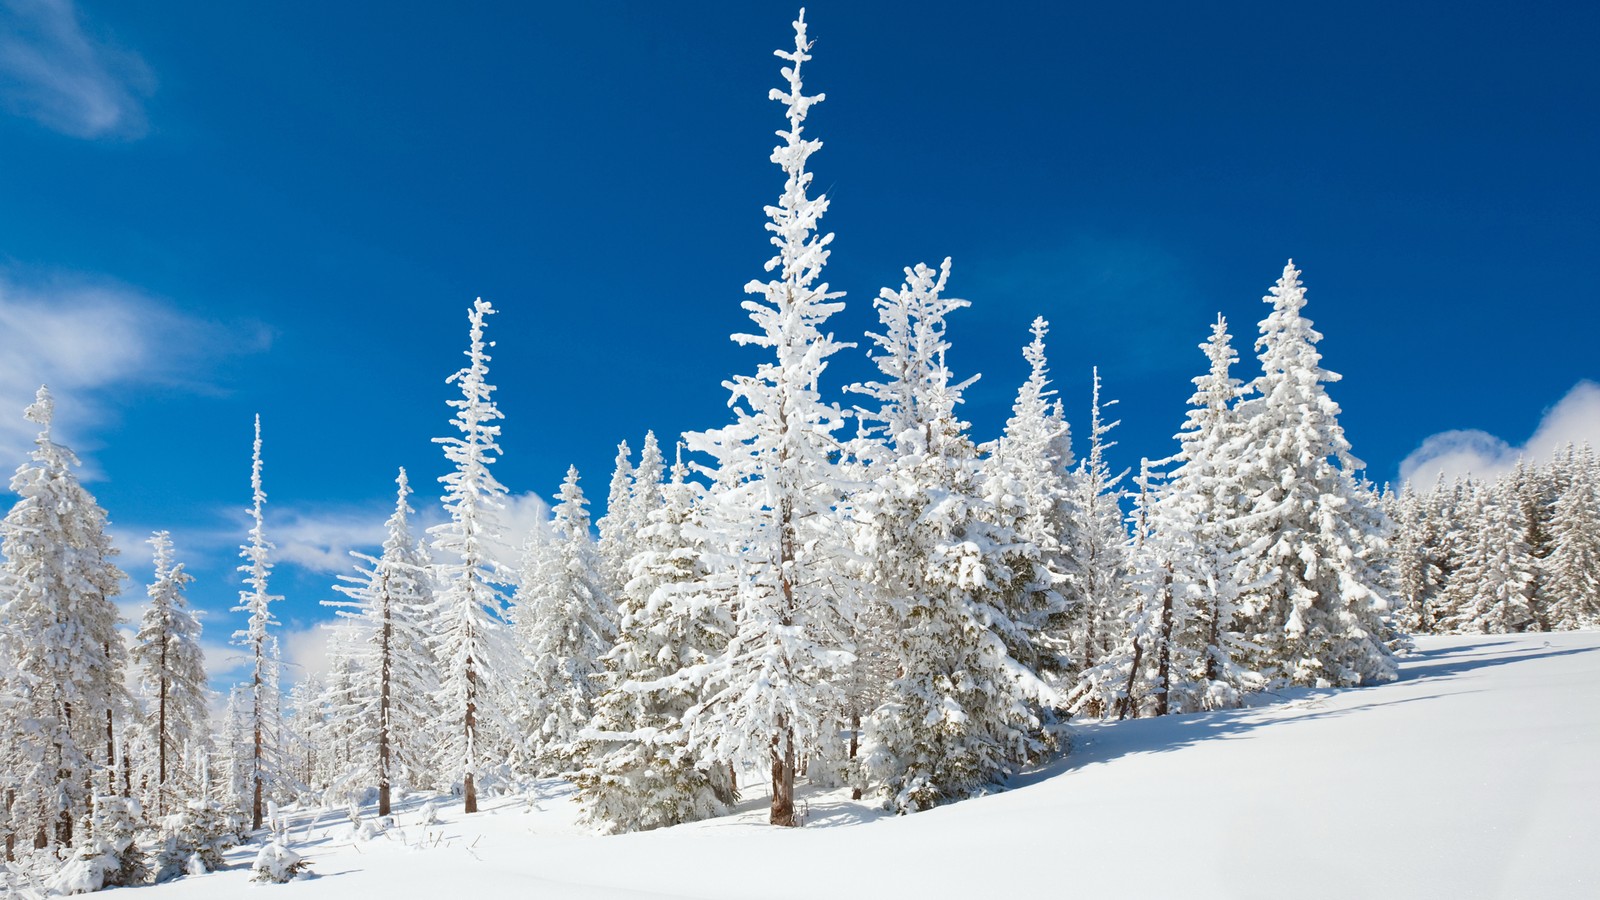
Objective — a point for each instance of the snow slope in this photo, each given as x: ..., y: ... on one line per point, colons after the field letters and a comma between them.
x: 1473, y: 776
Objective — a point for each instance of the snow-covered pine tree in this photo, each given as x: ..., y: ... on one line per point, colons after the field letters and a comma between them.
x: 63, y: 655
x: 467, y: 612
x: 615, y: 544
x: 774, y: 692
x: 775, y: 487
x: 253, y: 637
x: 1492, y: 590
x: 1313, y: 539
x: 645, y: 499
x: 393, y: 668
x: 1573, y: 566
x: 1097, y: 585
x: 565, y: 622
x: 1533, y: 488
x: 172, y: 672
x: 958, y: 716
x: 1026, y: 483
x: 1415, y: 546
x: 1198, y: 510
x: 637, y: 772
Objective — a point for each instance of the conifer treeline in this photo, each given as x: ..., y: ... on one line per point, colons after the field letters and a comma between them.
x: 863, y: 595
x: 1519, y: 553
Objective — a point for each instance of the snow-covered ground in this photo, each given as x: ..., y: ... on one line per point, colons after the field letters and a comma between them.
x: 1476, y: 775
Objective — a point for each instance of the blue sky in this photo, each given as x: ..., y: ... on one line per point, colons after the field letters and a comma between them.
x: 213, y: 210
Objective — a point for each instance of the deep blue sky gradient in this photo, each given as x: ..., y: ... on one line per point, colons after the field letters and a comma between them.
x: 345, y: 178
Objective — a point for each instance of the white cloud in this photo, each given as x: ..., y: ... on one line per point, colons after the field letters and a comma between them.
x: 1575, y: 419
x: 52, y: 70
x: 322, y: 541
x: 305, y: 651
x: 82, y: 337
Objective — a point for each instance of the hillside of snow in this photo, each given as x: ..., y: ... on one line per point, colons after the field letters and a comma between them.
x: 1475, y: 775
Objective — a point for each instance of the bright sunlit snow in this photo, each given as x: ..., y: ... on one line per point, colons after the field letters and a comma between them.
x: 1472, y: 776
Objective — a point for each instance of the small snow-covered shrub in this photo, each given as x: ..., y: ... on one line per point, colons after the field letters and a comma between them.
x: 110, y: 856
x: 276, y: 864
x: 194, y: 838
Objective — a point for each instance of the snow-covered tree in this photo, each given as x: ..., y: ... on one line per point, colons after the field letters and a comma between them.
x: 774, y: 692
x: 467, y: 612
x: 63, y: 655
x: 1491, y: 590
x: 957, y: 716
x: 394, y: 681
x: 565, y: 622
x: 1027, y: 483
x: 616, y: 540
x: 637, y: 771
x: 256, y: 601
x: 1312, y: 539
x: 1196, y: 521
x: 1573, y: 566
x: 1097, y: 583
x: 172, y: 673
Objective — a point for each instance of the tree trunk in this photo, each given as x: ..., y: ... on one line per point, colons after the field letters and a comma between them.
x: 855, y: 742
x: 783, y: 780
x: 1133, y: 672
x: 383, y: 703
x: 1164, y: 658
x: 469, y: 792
x: 161, y: 736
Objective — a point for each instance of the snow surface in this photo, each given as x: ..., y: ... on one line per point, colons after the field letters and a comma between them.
x: 1475, y: 775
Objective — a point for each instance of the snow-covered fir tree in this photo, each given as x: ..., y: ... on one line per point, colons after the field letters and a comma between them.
x: 774, y: 692
x: 1194, y: 522
x: 1312, y: 540
x: 1097, y: 583
x: 1572, y: 581
x: 958, y: 716
x: 615, y: 544
x: 466, y: 627
x: 1491, y: 590
x: 63, y: 657
x: 565, y: 622
x: 394, y: 671
x: 1027, y: 484
x: 172, y: 673
x: 637, y: 769
x: 256, y: 601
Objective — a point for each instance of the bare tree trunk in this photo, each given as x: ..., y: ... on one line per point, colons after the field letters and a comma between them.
x: 255, y: 762
x: 783, y: 780
x: 855, y: 742
x: 161, y: 736
x: 385, y: 669
x: 1164, y: 658
x: 783, y: 756
x: 111, y: 756
x: 469, y: 792
x: 1133, y: 672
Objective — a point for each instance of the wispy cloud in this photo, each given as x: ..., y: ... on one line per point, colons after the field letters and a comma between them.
x: 83, y: 336
x: 54, y: 70
x: 1575, y: 419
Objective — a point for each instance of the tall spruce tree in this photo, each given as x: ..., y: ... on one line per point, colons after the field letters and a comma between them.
x: 565, y: 622
x: 391, y: 706
x: 957, y: 717
x: 467, y: 613
x: 256, y: 601
x: 1312, y: 540
x: 637, y: 771
x: 774, y: 692
x: 172, y: 672
x: 58, y: 636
